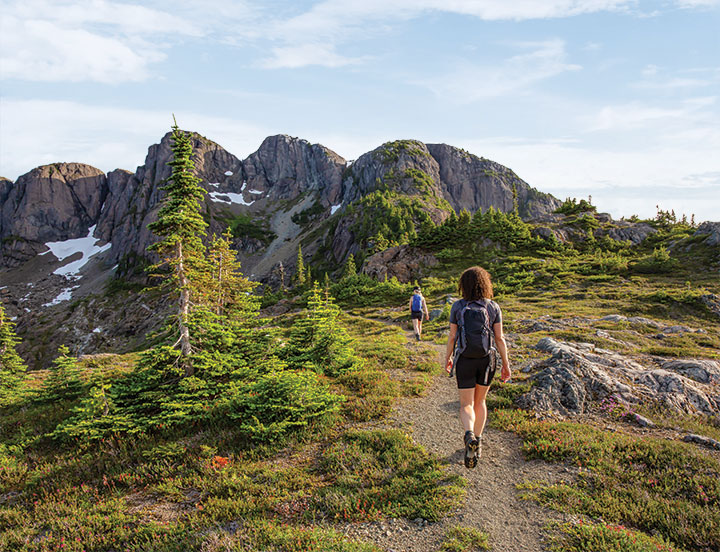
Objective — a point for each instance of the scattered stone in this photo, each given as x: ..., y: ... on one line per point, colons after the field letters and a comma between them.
x: 642, y: 421
x: 702, y: 440
x: 615, y: 318
x: 646, y: 321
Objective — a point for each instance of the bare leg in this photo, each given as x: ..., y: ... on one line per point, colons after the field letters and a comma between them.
x: 415, y: 322
x: 419, y: 330
x: 480, y: 408
x: 467, y: 412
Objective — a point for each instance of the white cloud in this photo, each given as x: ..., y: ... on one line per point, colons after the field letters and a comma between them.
x: 677, y: 171
x: 638, y: 115
x: 335, y: 22
x: 293, y: 57
x: 91, y: 40
x: 470, y: 82
x: 37, y: 132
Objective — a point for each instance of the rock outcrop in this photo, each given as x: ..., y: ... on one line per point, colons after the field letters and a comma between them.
x: 50, y: 203
x: 473, y: 183
x: 285, y: 167
x: 711, y: 231
x: 403, y: 262
x: 577, y: 376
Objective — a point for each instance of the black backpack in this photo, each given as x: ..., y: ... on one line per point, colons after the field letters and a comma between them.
x: 475, y: 338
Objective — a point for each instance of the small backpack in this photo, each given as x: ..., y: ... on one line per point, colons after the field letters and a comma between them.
x: 417, y: 303
x: 475, y: 335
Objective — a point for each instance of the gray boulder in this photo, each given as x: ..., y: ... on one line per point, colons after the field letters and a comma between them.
x: 703, y: 371
x: 702, y: 440
x: 712, y: 232
x: 577, y: 375
x: 627, y: 231
x: 402, y: 262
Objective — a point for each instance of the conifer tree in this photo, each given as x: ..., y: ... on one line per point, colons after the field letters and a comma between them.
x: 350, y: 268
x: 12, y: 367
x: 180, y: 226
x: 300, y: 268
x: 222, y: 288
x: 64, y: 381
x: 318, y: 339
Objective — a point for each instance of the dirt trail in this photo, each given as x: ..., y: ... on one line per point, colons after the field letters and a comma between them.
x: 492, y: 503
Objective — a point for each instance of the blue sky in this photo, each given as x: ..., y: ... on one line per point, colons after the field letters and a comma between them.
x: 617, y: 99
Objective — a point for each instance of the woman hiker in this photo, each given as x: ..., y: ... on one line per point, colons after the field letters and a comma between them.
x: 418, y: 306
x: 474, y: 321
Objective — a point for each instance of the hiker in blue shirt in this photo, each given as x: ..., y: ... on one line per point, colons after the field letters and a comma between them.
x: 475, y: 322
x: 418, y: 307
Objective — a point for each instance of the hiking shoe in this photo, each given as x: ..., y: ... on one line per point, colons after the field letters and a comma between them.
x: 471, y: 449
x: 417, y: 336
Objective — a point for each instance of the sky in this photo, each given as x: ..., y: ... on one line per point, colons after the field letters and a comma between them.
x: 614, y: 99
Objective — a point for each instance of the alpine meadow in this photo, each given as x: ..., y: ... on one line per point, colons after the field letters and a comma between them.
x: 491, y: 324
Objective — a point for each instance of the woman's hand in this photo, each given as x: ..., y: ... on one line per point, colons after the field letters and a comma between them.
x: 448, y: 365
x: 505, y: 373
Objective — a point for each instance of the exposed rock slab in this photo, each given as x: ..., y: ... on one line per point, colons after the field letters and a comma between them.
x: 576, y: 375
x: 403, y: 262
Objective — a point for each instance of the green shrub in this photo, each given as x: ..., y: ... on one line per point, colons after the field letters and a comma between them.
x: 282, y: 402
x: 659, y: 262
x: 601, y: 537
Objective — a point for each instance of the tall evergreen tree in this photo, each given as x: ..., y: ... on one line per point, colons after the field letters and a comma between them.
x: 350, y: 268
x: 180, y: 226
x: 12, y: 367
x: 222, y: 288
x: 300, y: 268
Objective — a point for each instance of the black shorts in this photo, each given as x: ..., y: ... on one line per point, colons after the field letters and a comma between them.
x: 416, y: 315
x: 474, y: 371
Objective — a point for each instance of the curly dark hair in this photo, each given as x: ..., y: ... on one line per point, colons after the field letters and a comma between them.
x: 475, y: 284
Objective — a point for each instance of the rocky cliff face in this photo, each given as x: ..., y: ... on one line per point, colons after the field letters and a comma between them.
x: 51, y: 203
x: 283, y: 168
x: 473, y: 183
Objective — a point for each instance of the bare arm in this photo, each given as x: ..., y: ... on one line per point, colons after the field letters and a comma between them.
x: 502, y: 349
x: 424, y: 305
x: 450, y: 346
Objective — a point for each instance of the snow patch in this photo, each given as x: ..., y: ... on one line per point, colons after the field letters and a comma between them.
x: 13, y: 318
x: 86, y: 246
x: 229, y: 198
x: 214, y: 184
x: 334, y: 208
x: 64, y: 295
x: 255, y: 191
x: 228, y: 173
x: 97, y: 330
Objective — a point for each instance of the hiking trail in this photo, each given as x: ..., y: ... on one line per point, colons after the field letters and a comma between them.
x: 492, y: 503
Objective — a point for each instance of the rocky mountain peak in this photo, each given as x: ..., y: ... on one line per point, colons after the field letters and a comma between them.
x: 50, y: 203
x: 285, y: 167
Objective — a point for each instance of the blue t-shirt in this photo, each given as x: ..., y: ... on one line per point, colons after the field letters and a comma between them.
x: 493, y: 309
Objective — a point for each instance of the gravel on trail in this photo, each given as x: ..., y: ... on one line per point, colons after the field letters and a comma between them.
x: 492, y: 503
